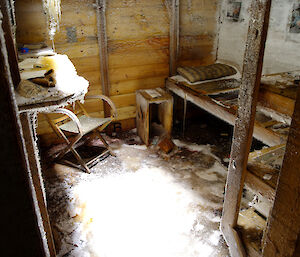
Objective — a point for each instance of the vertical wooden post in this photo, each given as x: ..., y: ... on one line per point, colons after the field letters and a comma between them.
x: 20, y: 221
x: 283, y: 230
x: 243, y: 130
x: 102, y: 42
x: 29, y: 132
x: 11, y: 49
x: 174, y: 36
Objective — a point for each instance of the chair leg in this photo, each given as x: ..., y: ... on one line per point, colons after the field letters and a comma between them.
x: 70, y: 147
x: 80, y: 160
x: 105, y: 143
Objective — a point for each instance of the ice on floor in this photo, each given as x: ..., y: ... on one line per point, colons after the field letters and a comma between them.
x: 138, y: 204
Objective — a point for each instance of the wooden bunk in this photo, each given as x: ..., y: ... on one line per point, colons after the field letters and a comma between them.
x: 262, y: 175
x: 245, y: 231
x: 279, y: 234
x: 220, y: 98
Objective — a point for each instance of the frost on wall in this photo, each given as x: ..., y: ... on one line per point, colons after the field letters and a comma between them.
x: 233, y: 34
x: 53, y: 12
x: 282, y: 46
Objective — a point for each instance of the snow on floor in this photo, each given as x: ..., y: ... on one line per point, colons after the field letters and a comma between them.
x: 139, y: 204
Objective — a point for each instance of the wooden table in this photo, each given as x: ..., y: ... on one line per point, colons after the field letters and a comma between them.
x: 144, y: 98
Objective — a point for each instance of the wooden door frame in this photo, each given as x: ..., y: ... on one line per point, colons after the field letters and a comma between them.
x: 281, y: 237
x: 28, y: 233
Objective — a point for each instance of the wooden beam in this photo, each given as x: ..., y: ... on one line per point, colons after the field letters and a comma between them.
x: 243, y: 130
x: 10, y: 43
x: 267, y: 136
x: 174, y: 36
x: 102, y: 42
x: 20, y: 223
x: 29, y: 133
x: 276, y: 102
x: 283, y: 231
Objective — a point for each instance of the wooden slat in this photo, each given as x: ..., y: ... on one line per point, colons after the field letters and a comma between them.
x: 267, y: 136
x: 242, y: 138
x: 88, y: 61
x: 102, y: 42
x: 283, y: 229
x: 174, y: 36
x: 135, y: 22
x: 251, y: 226
x: 138, y: 72
x: 276, y: 102
x: 29, y: 134
x: 30, y: 14
x: 130, y: 86
x: 123, y: 46
x: 11, y: 48
x: 78, y: 49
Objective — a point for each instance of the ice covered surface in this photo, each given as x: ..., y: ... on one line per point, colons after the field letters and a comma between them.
x: 139, y: 204
x: 67, y: 80
x: 275, y: 115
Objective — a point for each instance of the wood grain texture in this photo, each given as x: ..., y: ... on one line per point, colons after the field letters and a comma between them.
x: 243, y: 130
x: 138, y: 39
x: 102, y: 44
x: 267, y: 136
x: 276, y: 102
x: 29, y: 134
x: 283, y: 229
x: 174, y: 35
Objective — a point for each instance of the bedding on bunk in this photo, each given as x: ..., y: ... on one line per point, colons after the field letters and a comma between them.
x: 201, y: 73
x: 210, y: 87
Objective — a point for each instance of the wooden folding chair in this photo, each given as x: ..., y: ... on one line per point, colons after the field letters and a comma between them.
x: 72, y: 126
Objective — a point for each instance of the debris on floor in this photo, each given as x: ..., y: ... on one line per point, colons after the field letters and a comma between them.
x: 140, y: 203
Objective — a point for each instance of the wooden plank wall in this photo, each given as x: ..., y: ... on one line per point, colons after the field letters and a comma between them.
x: 198, y: 31
x: 138, y: 42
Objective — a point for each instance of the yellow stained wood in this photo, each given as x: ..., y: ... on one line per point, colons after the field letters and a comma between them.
x: 87, y: 65
x: 131, y: 3
x: 31, y: 22
x: 130, y: 86
x: 136, y: 22
x: 84, y: 33
x: 123, y: 46
x: 78, y: 49
x: 119, y: 60
x: 138, y: 72
x: 139, y: 57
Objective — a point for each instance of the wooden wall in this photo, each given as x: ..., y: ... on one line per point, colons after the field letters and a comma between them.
x: 198, y: 31
x: 138, y: 42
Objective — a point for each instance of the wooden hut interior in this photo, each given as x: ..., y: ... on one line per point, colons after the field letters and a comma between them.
x: 136, y: 128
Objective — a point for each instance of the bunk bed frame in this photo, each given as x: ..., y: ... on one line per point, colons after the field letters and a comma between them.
x: 220, y: 98
x: 280, y: 232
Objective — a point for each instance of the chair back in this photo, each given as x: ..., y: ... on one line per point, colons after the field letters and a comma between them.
x: 77, y: 108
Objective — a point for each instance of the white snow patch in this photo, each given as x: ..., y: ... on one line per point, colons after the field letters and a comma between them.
x: 142, y: 206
